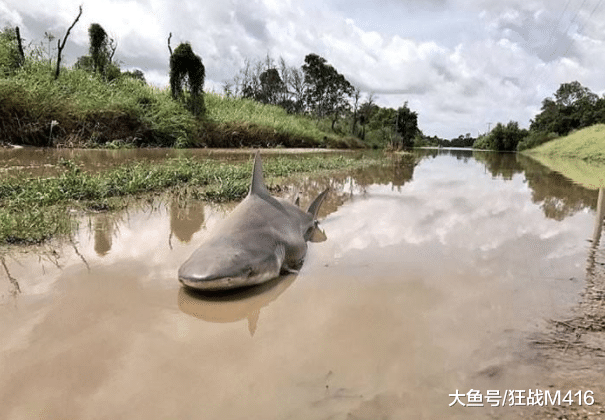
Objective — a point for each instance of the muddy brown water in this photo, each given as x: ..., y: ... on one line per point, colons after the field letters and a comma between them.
x: 436, y: 272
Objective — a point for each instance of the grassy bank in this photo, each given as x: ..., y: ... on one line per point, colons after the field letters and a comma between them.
x: 33, y: 210
x: 80, y: 109
x: 587, y: 144
x: 579, y: 156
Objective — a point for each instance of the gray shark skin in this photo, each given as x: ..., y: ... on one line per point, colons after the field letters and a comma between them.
x: 263, y: 237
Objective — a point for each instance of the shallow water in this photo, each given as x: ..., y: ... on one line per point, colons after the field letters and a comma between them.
x: 436, y: 272
x: 38, y: 161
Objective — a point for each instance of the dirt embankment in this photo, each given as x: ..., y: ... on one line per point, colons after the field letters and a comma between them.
x: 20, y: 127
x: 125, y: 130
x: 573, y: 350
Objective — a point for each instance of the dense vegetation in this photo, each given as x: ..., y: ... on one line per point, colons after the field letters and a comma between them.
x: 574, y: 107
x: 502, y: 137
x: 587, y: 144
x: 318, y: 90
x: 95, y: 104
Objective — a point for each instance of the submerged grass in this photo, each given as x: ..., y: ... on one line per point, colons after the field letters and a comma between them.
x: 33, y: 210
x: 579, y: 156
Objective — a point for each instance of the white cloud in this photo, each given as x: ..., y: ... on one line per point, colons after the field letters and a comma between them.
x: 459, y: 64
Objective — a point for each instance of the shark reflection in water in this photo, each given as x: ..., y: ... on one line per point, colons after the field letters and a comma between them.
x: 262, y: 238
x: 233, y: 305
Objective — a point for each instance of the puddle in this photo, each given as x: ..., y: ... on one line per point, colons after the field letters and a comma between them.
x: 436, y: 271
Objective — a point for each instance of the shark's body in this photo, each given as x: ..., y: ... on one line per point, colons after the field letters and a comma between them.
x: 263, y: 237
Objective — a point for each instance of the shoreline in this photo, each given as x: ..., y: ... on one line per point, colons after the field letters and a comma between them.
x: 36, y: 209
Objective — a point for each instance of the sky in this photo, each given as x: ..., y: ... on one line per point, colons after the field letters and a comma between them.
x: 462, y: 66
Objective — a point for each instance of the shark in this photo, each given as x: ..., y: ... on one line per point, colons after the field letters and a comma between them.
x: 263, y: 237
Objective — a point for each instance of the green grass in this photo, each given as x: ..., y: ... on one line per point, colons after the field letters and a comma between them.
x: 587, y: 144
x: 89, y: 110
x: 33, y: 210
x: 579, y: 156
x: 92, y: 112
x: 246, y: 114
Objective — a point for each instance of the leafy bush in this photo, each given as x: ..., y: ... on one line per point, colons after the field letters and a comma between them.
x: 502, y: 137
x: 535, y: 139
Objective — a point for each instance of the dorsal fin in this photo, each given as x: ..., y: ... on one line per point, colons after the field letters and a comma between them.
x: 258, y: 183
x: 314, y: 207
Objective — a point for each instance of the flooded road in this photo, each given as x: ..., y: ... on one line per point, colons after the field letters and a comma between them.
x: 436, y: 272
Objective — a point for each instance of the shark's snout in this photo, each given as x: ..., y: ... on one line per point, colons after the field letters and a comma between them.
x: 198, y: 276
x: 227, y: 271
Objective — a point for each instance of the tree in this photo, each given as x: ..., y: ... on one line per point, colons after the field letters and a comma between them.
x: 268, y: 82
x: 574, y: 106
x: 261, y: 80
x: 10, y: 55
x: 99, y: 47
x: 186, y: 68
x: 61, y: 45
x: 570, y: 94
x: 502, y: 138
x: 84, y: 63
x: 326, y: 89
x: 263, y: 86
x: 50, y: 38
x: 365, y: 113
x: 135, y: 74
x: 271, y: 87
x: 406, y: 124
x: 19, y: 45
x: 296, y: 90
x: 381, y: 126
x: 356, y: 105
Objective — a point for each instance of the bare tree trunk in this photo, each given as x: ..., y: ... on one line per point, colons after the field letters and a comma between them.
x: 62, y: 45
x: 113, y: 46
x: 20, y: 45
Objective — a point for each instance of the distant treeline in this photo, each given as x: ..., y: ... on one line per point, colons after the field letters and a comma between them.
x: 572, y: 108
x: 318, y: 90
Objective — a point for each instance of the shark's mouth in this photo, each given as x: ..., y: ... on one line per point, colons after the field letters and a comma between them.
x: 223, y: 283
x: 250, y: 276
